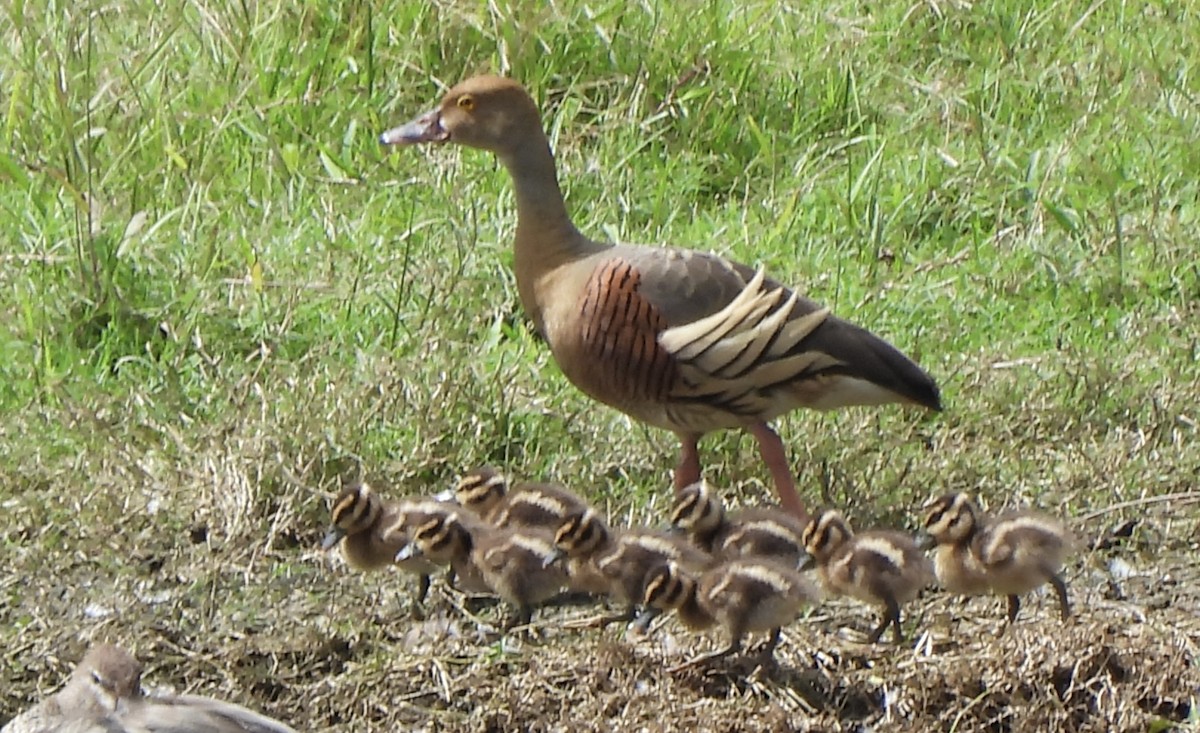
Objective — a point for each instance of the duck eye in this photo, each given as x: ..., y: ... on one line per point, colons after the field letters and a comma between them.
x: 467, y: 102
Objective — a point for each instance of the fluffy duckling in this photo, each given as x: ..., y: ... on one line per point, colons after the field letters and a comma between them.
x: 743, y: 595
x: 371, y: 531
x: 486, y: 492
x: 880, y: 568
x: 757, y: 532
x: 511, y: 563
x: 1009, y: 555
x: 104, y: 695
x: 621, y: 560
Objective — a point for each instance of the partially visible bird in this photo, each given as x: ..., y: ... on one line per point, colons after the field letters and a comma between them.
x: 487, y: 492
x: 104, y: 695
x: 743, y: 595
x: 371, y: 531
x: 879, y: 567
x: 511, y: 562
x: 620, y: 559
x: 750, y: 532
x: 1010, y: 554
x: 678, y: 339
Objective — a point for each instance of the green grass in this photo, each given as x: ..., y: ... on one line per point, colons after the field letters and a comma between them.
x: 220, y: 296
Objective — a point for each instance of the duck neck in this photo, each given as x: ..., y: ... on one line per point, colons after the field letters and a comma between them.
x: 692, y: 615
x: 546, y: 237
x: 540, y: 205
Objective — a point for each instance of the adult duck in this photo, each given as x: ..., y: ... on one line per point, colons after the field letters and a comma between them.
x: 678, y: 339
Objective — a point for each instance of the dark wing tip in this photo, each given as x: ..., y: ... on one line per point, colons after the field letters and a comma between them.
x: 928, y: 395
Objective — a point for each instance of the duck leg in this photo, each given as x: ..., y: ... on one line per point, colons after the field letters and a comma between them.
x: 687, y: 471
x: 767, y: 655
x: 1060, y: 588
x: 423, y: 584
x: 1014, y: 606
x: 522, y: 616
x: 734, y: 647
x: 773, y: 454
x: 891, y: 617
x: 418, y: 606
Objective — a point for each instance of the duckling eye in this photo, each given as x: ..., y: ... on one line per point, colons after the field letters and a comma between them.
x: 466, y: 102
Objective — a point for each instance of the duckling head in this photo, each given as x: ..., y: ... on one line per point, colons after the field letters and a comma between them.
x: 698, y: 509
x: 355, y: 510
x: 951, y: 518
x: 580, y: 533
x: 825, y: 533
x: 481, y: 489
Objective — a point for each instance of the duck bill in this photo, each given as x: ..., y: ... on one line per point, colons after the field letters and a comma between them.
x: 335, y: 536
x: 642, y: 623
x: 409, y: 552
x: 425, y: 129
x: 553, y: 558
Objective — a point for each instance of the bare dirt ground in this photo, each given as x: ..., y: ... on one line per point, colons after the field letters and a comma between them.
x: 293, y: 632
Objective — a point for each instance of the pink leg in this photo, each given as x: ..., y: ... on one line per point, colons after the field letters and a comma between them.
x: 771, y: 449
x: 687, y: 471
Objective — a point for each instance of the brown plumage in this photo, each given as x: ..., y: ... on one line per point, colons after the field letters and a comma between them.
x: 882, y: 568
x: 752, y: 532
x: 621, y: 560
x: 371, y: 531
x: 104, y: 695
x: 681, y: 340
x: 511, y: 562
x: 1010, y: 554
x: 486, y: 492
x: 743, y: 595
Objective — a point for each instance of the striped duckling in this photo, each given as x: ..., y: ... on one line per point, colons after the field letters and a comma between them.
x: 742, y: 595
x: 486, y: 492
x: 621, y: 560
x: 1010, y: 554
x: 754, y: 532
x: 882, y: 568
x: 512, y: 563
x: 371, y: 531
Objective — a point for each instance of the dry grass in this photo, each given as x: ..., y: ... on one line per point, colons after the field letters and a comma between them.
x: 236, y: 602
x: 223, y: 300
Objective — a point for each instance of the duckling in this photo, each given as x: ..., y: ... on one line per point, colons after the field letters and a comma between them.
x: 1009, y: 555
x: 512, y: 563
x: 104, y: 695
x: 621, y: 560
x: 372, y: 531
x: 486, y: 492
x: 743, y: 595
x: 756, y: 531
x: 880, y: 568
